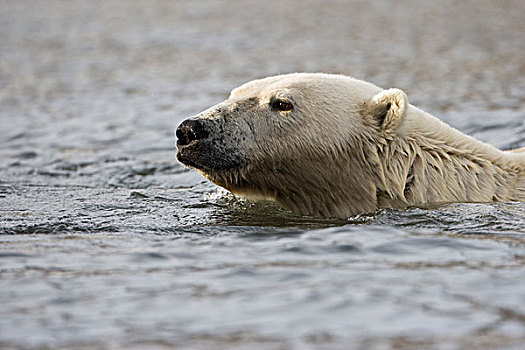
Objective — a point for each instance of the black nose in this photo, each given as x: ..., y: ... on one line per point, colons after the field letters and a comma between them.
x: 190, y: 130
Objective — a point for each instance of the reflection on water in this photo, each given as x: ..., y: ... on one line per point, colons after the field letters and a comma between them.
x: 107, y: 242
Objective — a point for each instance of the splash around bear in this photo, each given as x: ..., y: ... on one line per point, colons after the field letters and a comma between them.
x: 333, y: 146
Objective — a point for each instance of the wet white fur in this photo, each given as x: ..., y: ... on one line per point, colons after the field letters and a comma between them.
x: 350, y: 147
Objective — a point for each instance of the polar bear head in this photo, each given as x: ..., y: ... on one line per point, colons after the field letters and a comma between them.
x: 297, y: 139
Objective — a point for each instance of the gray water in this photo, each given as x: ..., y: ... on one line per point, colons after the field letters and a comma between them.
x: 107, y: 242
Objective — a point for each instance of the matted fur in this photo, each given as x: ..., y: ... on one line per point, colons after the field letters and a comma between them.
x: 349, y: 147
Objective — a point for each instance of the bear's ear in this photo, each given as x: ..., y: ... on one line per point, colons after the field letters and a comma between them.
x: 387, y: 109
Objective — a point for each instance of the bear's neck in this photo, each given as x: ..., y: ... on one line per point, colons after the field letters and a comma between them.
x: 328, y: 188
x: 321, y: 186
x: 431, y: 163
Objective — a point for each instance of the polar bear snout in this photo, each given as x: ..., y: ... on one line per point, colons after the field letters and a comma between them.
x: 203, y: 144
x: 191, y: 130
x: 193, y: 142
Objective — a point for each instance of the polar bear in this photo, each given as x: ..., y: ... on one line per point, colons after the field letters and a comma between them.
x: 334, y: 146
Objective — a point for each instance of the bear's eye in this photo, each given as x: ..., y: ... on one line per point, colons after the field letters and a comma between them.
x: 281, y: 105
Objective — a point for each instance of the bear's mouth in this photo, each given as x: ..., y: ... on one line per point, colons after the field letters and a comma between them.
x: 187, y: 155
x: 204, y: 156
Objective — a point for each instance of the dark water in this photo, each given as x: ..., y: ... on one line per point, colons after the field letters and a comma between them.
x: 108, y: 242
